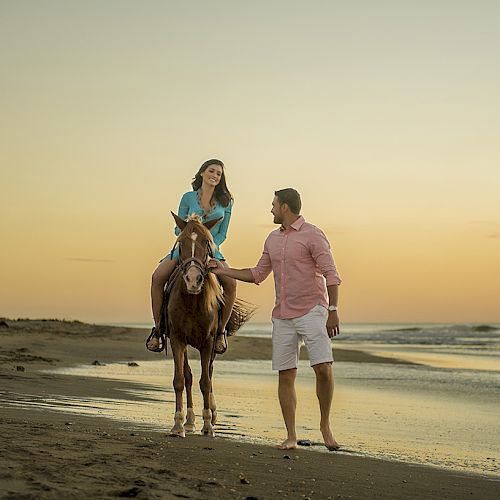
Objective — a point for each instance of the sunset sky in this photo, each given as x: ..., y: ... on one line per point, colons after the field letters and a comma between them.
x: 384, y: 115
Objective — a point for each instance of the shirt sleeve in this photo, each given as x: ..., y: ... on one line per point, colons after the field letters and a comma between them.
x: 183, y: 211
x: 263, y: 268
x: 220, y: 235
x: 322, y: 255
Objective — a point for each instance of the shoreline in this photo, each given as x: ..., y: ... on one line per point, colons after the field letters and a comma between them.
x: 111, y: 458
x: 131, y: 343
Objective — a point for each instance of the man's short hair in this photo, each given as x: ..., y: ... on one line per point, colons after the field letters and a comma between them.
x: 291, y: 197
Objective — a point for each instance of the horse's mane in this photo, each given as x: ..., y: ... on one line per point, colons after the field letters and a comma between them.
x: 212, y: 290
x: 213, y: 295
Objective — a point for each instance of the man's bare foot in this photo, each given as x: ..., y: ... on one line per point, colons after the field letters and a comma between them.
x: 289, y: 444
x: 329, y: 440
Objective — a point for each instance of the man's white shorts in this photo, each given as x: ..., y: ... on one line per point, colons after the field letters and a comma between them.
x: 289, y: 334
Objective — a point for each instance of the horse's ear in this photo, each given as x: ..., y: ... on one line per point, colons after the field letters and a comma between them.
x: 211, y: 223
x: 181, y: 224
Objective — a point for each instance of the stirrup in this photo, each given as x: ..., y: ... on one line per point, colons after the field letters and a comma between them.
x: 223, y: 350
x: 161, y: 341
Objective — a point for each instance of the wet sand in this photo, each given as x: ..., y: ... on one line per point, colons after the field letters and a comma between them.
x: 48, y: 454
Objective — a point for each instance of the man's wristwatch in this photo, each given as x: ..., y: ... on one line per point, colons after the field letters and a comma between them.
x: 333, y: 308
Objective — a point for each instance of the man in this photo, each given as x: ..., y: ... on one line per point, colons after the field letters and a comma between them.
x: 306, y: 283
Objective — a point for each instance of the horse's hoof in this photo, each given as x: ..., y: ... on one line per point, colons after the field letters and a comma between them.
x: 208, y: 431
x: 189, y: 428
x: 189, y: 424
x: 178, y: 428
x: 178, y: 433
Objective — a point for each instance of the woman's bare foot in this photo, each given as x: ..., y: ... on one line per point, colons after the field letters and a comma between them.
x: 153, y: 344
x: 220, y: 343
x: 156, y: 341
x: 329, y: 440
x: 288, y: 444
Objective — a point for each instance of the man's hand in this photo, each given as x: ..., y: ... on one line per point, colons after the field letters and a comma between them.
x: 332, y: 324
x: 215, y: 266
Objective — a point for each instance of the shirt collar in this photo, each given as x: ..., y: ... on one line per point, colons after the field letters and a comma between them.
x: 296, y: 225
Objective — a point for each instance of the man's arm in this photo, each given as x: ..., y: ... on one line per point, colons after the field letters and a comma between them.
x: 255, y: 275
x: 322, y: 255
x: 238, y: 274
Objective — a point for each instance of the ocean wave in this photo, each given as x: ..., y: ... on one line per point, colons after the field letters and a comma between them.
x: 484, y: 328
x: 482, y: 335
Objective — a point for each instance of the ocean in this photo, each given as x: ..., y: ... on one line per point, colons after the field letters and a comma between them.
x: 479, y: 335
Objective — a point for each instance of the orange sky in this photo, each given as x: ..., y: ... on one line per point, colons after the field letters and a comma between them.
x: 385, y: 118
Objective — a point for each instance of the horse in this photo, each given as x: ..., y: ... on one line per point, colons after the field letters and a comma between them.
x: 191, y: 311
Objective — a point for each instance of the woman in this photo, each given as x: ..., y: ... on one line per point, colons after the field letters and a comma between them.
x: 210, y: 199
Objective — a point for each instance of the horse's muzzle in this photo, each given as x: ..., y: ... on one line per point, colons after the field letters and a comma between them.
x: 194, y: 273
x: 194, y: 284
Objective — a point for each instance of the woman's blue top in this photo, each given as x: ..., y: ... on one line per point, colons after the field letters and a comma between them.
x: 190, y: 204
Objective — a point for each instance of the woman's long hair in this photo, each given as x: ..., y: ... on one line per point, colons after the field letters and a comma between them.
x: 221, y: 193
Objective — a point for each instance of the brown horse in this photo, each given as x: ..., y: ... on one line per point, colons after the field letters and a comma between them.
x: 192, y: 317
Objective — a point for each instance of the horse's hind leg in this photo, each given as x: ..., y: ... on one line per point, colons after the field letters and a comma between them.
x: 189, y: 425
x: 178, y: 352
x: 206, y: 386
x: 213, y: 405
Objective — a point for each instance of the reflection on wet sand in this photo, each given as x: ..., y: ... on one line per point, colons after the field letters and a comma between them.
x: 439, y: 357
x: 403, y: 412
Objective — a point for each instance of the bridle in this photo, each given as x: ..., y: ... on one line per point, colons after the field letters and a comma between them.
x: 185, y: 264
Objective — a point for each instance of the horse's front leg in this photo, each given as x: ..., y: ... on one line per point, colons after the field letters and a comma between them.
x: 206, y: 387
x: 178, y: 352
x: 189, y: 425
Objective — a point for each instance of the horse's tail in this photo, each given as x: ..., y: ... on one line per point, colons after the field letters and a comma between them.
x: 242, y: 312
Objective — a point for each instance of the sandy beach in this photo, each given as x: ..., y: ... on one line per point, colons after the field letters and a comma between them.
x: 52, y: 454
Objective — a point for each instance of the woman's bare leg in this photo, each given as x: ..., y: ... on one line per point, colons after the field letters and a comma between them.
x: 229, y: 286
x: 158, y: 281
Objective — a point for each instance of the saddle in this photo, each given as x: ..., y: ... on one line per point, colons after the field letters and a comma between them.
x: 162, y: 333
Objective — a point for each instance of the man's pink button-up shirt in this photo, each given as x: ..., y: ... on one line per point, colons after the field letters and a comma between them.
x: 302, y: 265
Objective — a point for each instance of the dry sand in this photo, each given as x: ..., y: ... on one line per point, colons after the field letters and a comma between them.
x: 48, y: 454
